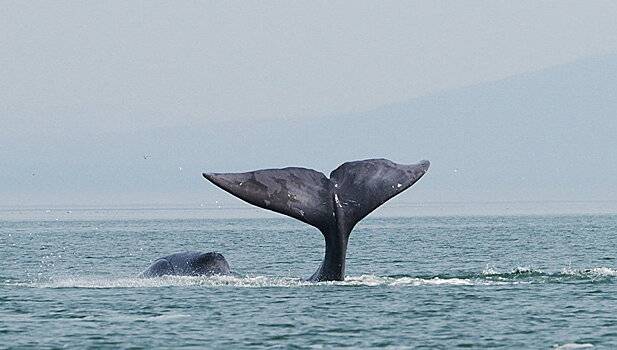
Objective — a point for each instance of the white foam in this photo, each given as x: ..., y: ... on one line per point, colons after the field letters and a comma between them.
x: 247, y: 282
x: 570, y: 346
x: 489, y: 276
x: 491, y: 271
x: 604, y: 271
x: 371, y: 280
x: 170, y: 316
x: 593, y: 272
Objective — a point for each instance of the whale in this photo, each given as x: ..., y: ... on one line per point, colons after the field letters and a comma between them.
x: 333, y: 205
x: 189, y: 263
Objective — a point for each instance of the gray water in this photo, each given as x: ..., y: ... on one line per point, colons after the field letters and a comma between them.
x: 417, y: 282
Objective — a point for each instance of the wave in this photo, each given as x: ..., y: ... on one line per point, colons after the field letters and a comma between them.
x: 570, y: 346
x: 488, y: 277
x: 517, y: 272
x: 566, y: 274
x: 593, y: 272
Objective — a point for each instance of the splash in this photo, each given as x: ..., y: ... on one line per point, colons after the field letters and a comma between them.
x: 487, y: 277
x: 567, y: 274
x: 246, y: 282
x: 519, y: 270
x: 593, y: 272
x: 371, y: 280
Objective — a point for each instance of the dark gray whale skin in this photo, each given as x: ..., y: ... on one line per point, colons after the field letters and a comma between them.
x: 333, y: 205
x: 189, y: 264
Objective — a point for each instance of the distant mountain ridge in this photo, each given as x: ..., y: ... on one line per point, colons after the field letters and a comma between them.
x: 546, y: 135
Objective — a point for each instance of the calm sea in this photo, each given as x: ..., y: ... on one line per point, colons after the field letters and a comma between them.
x: 68, y: 280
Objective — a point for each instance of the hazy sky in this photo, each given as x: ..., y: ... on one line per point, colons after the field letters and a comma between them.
x: 83, y: 84
x: 117, y: 64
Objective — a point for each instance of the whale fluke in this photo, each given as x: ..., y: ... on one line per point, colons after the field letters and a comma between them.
x: 301, y: 193
x: 333, y: 205
x: 362, y: 186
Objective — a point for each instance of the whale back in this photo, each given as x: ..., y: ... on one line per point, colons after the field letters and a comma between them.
x: 189, y: 264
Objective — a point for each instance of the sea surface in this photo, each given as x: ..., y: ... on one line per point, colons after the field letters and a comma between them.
x: 69, y: 280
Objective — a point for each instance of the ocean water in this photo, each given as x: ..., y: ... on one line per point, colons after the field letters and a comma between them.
x: 68, y: 280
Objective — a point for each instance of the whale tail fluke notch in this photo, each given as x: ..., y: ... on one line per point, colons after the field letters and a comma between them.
x: 353, y: 191
x: 333, y: 205
x: 362, y: 186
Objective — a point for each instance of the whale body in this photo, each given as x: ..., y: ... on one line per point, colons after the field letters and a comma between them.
x: 189, y: 264
x: 333, y: 205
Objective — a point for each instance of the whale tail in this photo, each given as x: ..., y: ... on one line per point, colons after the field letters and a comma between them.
x: 333, y: 205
